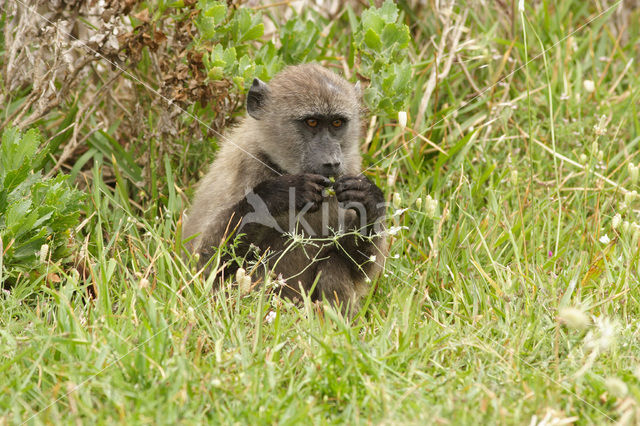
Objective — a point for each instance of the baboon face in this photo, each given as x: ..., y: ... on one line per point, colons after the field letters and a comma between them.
x: 312, y: 118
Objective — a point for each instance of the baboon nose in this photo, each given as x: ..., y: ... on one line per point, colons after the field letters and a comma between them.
x: 331, y: 168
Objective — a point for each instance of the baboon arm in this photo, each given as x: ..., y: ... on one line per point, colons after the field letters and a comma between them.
x: 256, y: 213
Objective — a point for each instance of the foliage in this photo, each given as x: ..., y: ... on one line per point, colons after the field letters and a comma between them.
x: 378, y: 40
x: 381, y: 42
x: 34, y: 211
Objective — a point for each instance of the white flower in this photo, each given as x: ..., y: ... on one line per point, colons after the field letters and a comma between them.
x: 431, y: 207
x: 398, y: 212
x: 395, y: 229
x: 402, y: 119
x: 44, y: 252
x: 372, y: 258
x: 625, y: 226
x: 616, y: 221
x: 243, y: 280
x: 629, y: 197
x: 270, y: 317
x: 391, y: 179
x: 418, y: 203
x: 616, y: 387
x: 583, y: 158
x: 396, y: 200
x: 633, y: 172
x: 520, y: 6
x: 603, y: 336
x: 589, y: 86
x: 144, y: 283
x: 605, y: 239
x: 601, y: 128
x: 573, y: 318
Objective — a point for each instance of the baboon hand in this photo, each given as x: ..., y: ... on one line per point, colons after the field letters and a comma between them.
x: 353, y: 190
x: 309, y: 190
x: 306, y: 190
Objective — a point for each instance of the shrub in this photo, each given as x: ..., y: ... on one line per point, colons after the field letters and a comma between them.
x: 36, y: 213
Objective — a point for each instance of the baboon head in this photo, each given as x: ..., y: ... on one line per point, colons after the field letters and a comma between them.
x: 311, y: 119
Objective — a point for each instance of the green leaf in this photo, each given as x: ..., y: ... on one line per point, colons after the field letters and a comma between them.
x: 372, y: 40
x: 217, y: 11
x: 395, y: 33
x: 254, y: 32
x: 388, y: 11
x: 372, y: 21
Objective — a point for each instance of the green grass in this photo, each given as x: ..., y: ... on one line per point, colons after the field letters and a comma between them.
x: 463, y: 327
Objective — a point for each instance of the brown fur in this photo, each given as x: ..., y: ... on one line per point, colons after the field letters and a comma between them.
x: 293, y: 93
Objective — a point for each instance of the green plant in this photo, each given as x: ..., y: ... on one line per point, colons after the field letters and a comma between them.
x: 377, y: 41
x: 36, y: 213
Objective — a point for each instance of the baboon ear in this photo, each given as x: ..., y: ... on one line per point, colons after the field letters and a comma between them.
x: 256, y: 98
x: 358, y: 88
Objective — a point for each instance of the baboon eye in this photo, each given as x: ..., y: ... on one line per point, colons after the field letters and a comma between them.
x: 311, y: 122
x: 337, y: 122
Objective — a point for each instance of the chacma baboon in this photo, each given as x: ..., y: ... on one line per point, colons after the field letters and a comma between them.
x: 269, y: 185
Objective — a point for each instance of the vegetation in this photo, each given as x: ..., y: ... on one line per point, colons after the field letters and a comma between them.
x: 511, y: 293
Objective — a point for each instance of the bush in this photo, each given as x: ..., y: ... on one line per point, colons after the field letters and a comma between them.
x: 36, y: 213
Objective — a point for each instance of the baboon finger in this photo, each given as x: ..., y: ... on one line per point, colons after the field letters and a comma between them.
x: 319, y: 180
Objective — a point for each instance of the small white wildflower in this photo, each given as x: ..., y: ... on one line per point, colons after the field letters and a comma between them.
x: 600, y: 155
x: 402, y: 119
x: 616, y: 221
x: 396, y: 200
x: 616, y: 387
x: 191, y: 314
x: 418, y: 203
x: 216, y: 382
x: 514, y: 177
x: 629, y: 197
x: 520, y: 6
x: 600, y: 128
x: 44, y: 252
x: 391, y: 179
x: 245, y: 285
x: 270, y: 317
x: 605, y: 239
x: 584, y: 158
x: 573, y: 318
x: 431, y: 206
x: 589, y: 86
x: 372, y: 258
x: 144, y: 283
x: 395, y: 229
x: 243, y: 280
x: 633, y: 173
x: 399, y: 212
x: 367, y: 280
x: 240, y: 274
x: 603, y: 336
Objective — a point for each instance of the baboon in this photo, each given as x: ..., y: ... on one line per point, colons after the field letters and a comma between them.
x: 271, y: 184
